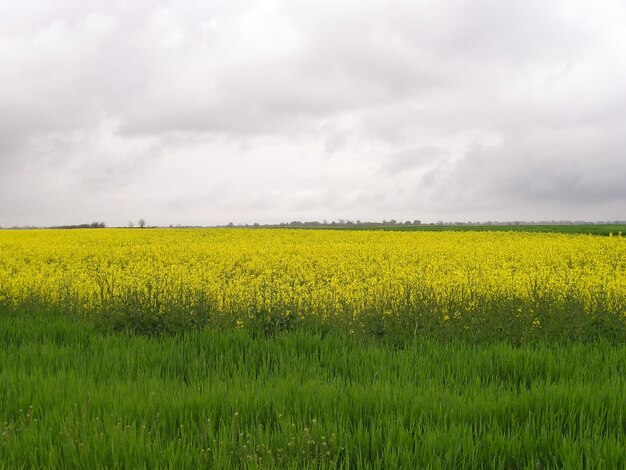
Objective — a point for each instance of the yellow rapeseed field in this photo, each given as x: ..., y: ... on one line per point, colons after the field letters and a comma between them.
x: 461, y: 277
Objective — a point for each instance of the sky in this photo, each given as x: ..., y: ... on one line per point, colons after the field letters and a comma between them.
x: 204, y: 113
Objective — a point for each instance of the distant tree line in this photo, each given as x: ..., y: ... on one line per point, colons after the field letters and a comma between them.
x: 141, y: 223
x: 393, y: 222
x: 91, y: 225
x: 325, y: 223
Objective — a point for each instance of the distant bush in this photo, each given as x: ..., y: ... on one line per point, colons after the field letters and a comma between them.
x: 91, y: 225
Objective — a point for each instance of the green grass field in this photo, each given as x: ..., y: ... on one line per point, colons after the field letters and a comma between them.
x: 76, y: 396
x: 592, y: 229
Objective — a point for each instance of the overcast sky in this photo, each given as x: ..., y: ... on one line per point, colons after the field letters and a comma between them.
x: 206, y: 112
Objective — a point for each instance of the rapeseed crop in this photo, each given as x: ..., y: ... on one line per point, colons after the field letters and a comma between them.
x: 516, y: 286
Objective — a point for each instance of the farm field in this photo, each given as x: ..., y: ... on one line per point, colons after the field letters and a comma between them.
x: 509, y: 286
x: 73, y: 397
x: 308, y: 348
x: 594, y: 229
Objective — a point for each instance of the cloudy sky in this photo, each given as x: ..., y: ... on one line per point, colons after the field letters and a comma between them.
x: 206, y: 112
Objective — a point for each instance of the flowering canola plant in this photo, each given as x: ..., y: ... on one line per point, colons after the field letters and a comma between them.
x: 424, y: 279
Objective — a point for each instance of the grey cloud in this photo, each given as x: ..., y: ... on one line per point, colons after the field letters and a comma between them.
x: 422, y: 157
x: 255, y: 108
x: 539, y: 171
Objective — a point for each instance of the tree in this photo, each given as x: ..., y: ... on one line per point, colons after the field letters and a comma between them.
x: 141, y: 223
x: 131, y: 224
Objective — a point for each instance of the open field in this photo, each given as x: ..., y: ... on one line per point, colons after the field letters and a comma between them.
x: 294, y: 349
x: 592, y: 229
x: 73, y: 397
x: 517, y: 287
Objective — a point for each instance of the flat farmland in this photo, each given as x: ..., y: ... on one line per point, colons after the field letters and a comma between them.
x: 593, y: 229
x: 312, y: 348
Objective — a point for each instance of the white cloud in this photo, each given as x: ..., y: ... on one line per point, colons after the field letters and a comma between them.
x: 196, y: 112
